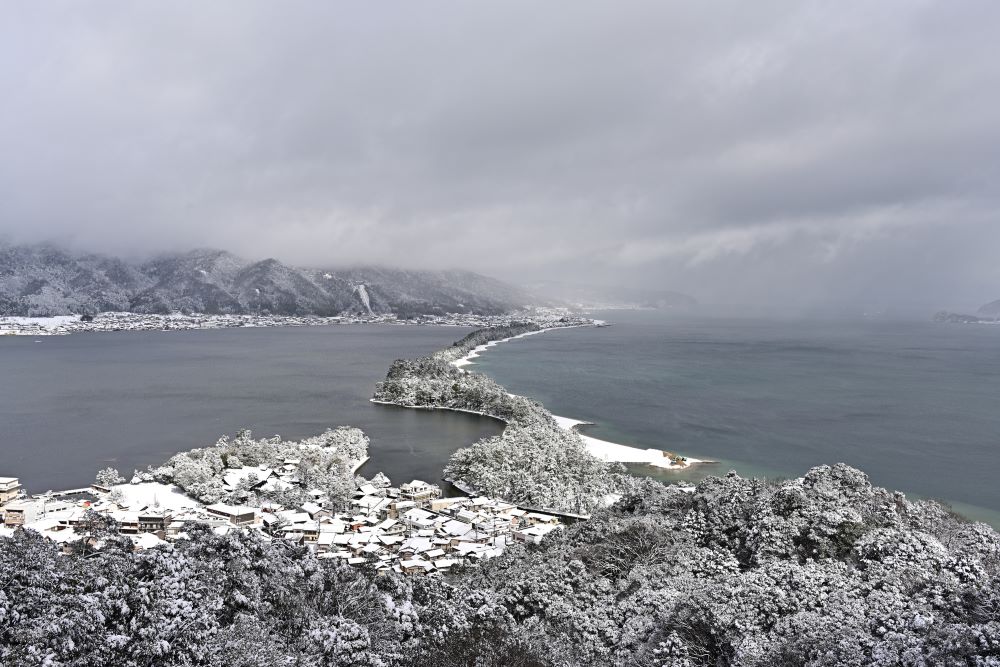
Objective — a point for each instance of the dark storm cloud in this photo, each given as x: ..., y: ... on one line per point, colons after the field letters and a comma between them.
x: 767, y: 151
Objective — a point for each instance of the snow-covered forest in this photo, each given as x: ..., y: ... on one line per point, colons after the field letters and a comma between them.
x: 325, y: 462
x: 822, y: 570
x: 46, y: 280
x: 479, y: 337
x: 533, y: 462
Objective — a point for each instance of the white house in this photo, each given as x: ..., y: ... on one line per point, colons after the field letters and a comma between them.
x: 534, y: 534
x: 10, y: 488
x: 238, y: 515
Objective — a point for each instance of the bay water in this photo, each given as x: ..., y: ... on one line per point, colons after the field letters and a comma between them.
x: 916, y: 405
x: 71, y: 405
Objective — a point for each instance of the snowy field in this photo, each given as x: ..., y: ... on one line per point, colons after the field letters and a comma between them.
x: 46, y: 323
x: 154, y: 494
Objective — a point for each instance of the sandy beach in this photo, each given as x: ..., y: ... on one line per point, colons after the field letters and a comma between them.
x: 467, y: 359
x: 613, y: 452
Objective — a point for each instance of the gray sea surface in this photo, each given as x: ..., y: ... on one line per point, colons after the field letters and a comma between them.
x: 916, y: 405
x: 70, y: 405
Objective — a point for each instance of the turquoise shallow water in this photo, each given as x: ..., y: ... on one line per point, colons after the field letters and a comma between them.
x: 916, y: 405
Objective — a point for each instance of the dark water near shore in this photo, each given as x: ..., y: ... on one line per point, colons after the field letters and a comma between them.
x: 70, y: 405
x: 916, y: 405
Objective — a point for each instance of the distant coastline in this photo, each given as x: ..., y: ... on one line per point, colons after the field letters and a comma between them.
x: 946, y: 317
x: 61, y: 325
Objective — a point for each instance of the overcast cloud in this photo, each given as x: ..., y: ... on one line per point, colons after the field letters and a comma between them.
x: 793, y: 152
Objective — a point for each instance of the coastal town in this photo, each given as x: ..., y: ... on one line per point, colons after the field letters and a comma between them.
x: 411, y: 529
x: 122, y: 321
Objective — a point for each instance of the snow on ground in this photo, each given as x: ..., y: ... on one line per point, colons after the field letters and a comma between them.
x: 611, y: 451
x: 467, y: 359
x: 154, y: 494
x: 43, y: 322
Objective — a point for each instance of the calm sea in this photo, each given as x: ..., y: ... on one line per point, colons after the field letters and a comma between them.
x: 916, y: 405
x: 70, y: 405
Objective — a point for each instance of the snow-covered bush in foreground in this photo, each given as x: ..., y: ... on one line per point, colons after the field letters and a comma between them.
x: 823, y: 570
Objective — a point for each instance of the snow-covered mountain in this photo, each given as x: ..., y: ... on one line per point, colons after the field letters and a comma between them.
x: 44, y: 280
x: 414, y: 292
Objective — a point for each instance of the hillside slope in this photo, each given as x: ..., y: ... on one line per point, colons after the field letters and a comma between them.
x: 991, y: 309
x: 44, y: 280
x: 824, y: 570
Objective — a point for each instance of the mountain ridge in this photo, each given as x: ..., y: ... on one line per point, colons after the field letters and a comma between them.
x: 43, y: 280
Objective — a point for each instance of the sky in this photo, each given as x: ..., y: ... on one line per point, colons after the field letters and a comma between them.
x: 794, y: 153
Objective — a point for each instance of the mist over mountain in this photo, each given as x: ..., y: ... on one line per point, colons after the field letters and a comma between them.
x: 991, y: 309
x: 597, y: 296
x: 793, y: 154
x: 43, y: 280
x: 989, y: 312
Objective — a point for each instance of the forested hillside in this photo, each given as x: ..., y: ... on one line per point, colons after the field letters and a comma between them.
x: 821, y: 570
x: 44, y: 280
x: 533, y: 462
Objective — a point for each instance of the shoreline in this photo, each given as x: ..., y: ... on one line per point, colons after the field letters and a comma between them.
x: 114, y: 321
x: 434, y: 407
x: 613, y: 452
x: 610, y: 452
x: 474, y: 353
x: 359, y: 464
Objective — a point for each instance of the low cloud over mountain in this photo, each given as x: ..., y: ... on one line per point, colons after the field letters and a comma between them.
x: 45, y: 280
x: 771, y: 152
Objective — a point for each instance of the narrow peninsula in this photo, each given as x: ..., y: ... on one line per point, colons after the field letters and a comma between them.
x: 539, y: 460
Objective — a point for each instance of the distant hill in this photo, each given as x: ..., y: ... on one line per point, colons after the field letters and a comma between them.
x: 594, y: 296
x: 42, y: 280
x: 991, y: 309
x: 947, y: 317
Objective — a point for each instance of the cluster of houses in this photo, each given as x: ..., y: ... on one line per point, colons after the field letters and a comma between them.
x: 411, y: 529
x: 120, y: 321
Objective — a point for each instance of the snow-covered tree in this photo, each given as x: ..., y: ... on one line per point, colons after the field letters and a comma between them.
x: 109, y: 477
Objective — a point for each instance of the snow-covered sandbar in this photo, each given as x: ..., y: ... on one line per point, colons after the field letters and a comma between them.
x: 613, y: 452
x: 602, y: 449
x: 475, y: 352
